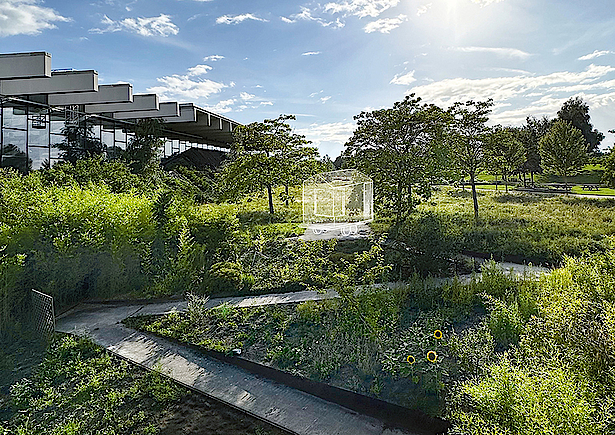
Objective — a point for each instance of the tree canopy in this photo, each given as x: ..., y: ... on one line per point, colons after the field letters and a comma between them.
x: 267, y: 154
x: 504, y: 152
x: 563, y: 149
x: 402, y: 150
x: 576, y: 111
x: 468, y: 136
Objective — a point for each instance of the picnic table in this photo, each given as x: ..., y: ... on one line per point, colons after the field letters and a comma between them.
x: 595, y: 187
x: 565, y: 187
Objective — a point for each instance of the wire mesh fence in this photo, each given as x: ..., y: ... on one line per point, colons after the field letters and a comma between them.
x: 43, y: 313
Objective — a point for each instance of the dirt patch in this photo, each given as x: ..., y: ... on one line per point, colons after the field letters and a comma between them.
x: 198, y: 415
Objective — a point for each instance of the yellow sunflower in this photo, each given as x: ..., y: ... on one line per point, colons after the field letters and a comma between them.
x: 432, y: 356
x: 438, y: 334
x: 411, y: 360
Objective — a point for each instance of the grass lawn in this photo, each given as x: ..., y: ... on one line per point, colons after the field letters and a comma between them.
x: 537, y: 228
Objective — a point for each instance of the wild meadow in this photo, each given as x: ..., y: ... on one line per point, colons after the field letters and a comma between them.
x: 510, y: 356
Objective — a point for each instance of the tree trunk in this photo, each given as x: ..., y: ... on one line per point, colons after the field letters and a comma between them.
x: 474, y: 198
x: 286, y: 191
x: 496, y: 183
x: 506, y: 183
x: 270, y: 197
x: 399, y: 203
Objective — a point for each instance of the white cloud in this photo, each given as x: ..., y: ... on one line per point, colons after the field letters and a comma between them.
x: 187, y: 86
x: 310, y: 53
x: 313, y: 94
x: 596, y: 54
x: 423, y: 9
x: 213, y: 58
x: 404, y: 79
x: 537, y: 95
x: 228, y: 19
x: 500, y: 51
x: 361, y: 8
x: 385, y: 25
x: 198, y: 70
x: 306, y: 15
x: 144, y: 26
x: 336, y: 132
x: 26, y: 17
x: 484, y: 3
x: 323, y: 100
x: 223, y: 106
x: 246, y: 96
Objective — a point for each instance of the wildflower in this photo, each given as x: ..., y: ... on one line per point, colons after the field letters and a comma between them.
x: 438, y: 334
x: 411, y: 360
x: 432, y: 356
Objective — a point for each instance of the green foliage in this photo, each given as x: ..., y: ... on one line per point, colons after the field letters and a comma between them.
x: 264, y: 155
x: 576, y: 112
x: 467, y: 138
x: 608, y: 176
x: 80, y: 389
x: 504, y: 153
x: 513, y: 400
x: 84, y: 172
x: 563, y: 149
x: 402, y: 149
x: 142, y: 149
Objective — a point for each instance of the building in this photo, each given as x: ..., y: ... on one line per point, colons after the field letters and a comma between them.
x: 44, y: 111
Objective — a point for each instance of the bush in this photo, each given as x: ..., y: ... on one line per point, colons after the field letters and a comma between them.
x: 512, y: 400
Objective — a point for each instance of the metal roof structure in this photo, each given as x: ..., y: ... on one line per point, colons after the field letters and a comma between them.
x: 28, y: 76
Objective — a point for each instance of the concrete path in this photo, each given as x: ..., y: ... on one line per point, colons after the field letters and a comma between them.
x: 336, y: 231
x: 293, y: 410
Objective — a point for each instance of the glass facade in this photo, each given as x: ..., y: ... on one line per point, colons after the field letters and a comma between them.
x: 35, y: 136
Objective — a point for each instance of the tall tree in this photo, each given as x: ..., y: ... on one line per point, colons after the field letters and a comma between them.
x: 563, y: 150
x: 530, y: 134
x: 142, y: 150
x: 576, y: 111
x: 79, y: 142
x: 608, y: 176
x: 402, y: 150
x: 265, y: 154
x: 504, y: 153
x: 468, y: 136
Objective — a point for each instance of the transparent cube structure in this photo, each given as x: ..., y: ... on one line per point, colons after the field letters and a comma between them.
x: 338, y: 199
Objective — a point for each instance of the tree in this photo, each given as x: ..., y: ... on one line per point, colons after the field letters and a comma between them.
x: 504, y: 153
x: 468, y: 135
x: 530, y: 135
x: 608, y: 176
x: 576, y: 111
x: 142, y: 150
x: 402, y: 149
x: 265, y: 154
x: 79, y: 142
x: 563, y: 150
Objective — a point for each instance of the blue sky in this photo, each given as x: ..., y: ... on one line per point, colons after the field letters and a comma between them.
x: 326, y: 62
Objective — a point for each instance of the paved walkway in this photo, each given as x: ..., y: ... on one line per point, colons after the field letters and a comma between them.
x: 294, y: 410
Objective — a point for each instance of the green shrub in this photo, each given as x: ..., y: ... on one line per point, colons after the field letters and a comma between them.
x: 505, y: 322
x: 474, y: 350
x: 514, y: 401
x: 227, y: 277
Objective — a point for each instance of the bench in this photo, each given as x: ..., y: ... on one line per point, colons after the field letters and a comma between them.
x: 595, y: 187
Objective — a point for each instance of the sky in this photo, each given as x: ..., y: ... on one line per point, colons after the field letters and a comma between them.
x: 326, y: 62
